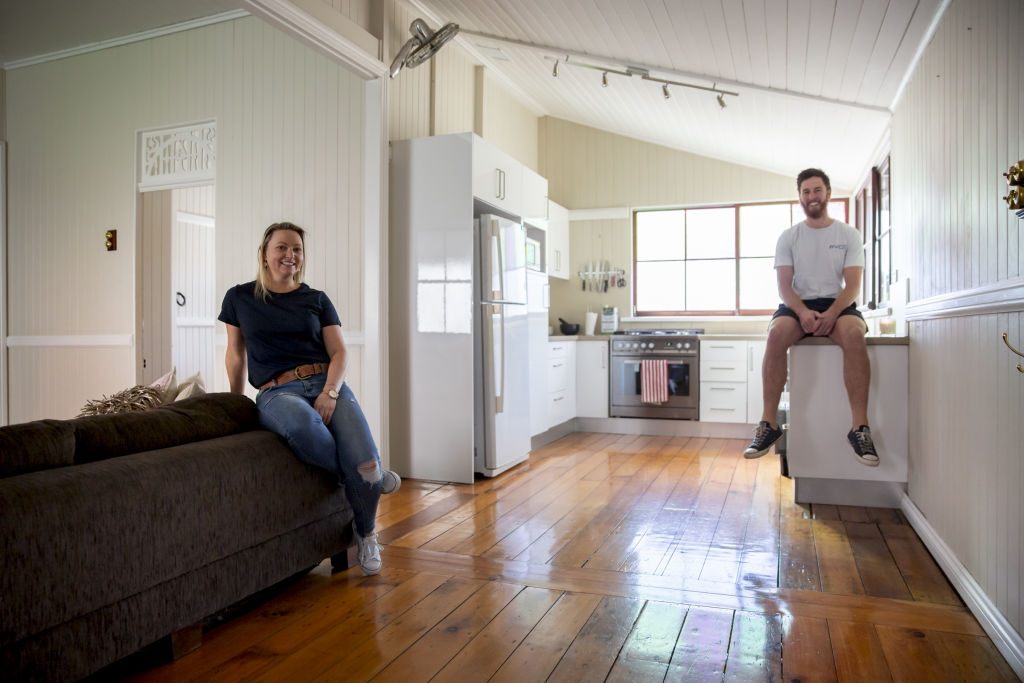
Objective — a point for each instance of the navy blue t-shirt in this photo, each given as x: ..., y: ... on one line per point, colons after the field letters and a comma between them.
x: 281, y: 333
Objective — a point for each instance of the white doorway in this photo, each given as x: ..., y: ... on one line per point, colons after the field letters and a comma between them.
x: 178, y: 299
x: 176, y: 306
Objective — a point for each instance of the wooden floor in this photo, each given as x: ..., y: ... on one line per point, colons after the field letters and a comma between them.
x: 620, y: 558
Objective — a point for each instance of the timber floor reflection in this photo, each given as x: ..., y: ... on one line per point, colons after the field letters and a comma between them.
x: 619, y: 558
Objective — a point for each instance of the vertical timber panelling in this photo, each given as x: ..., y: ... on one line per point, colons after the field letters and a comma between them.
x: 289, y: 147
x: 508, y: 125
x: 409, y: 91
x: 958, y: 125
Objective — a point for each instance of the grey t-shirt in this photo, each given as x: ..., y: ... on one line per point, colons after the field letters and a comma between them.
x: 818, y: 257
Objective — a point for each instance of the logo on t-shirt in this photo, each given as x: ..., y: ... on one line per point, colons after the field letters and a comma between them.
x: 837, y: 246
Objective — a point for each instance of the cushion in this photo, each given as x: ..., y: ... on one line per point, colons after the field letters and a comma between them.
x: 190, y: 387
x: 205, y: 417
x: 130, y: 400
x: 35, y: 446
x: 167, y: 385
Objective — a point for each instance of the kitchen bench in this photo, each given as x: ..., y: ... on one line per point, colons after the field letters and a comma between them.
x: 820, y: 459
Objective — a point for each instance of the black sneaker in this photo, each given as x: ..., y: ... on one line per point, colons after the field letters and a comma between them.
x: 764, y: 436
x: 863, y: 446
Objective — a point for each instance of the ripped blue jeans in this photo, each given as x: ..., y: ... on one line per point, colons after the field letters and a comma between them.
x: 339, y: 447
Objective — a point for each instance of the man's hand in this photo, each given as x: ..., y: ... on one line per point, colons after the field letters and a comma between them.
x: 826, y: 323
x: 809, y: 320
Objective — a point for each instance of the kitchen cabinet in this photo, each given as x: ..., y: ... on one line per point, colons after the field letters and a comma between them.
x: 497, y: 177
x: 561, y: 382
x: 592, y: 379
x: 727, y: 390
x: 755, y: 398
x: 535, y: 198
x: 558, y: 241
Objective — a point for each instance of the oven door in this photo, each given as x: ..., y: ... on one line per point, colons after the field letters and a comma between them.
x: 683, y: 388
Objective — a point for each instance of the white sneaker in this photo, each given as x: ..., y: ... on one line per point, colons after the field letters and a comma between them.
x: 369, y: 553
x: 390, y: 482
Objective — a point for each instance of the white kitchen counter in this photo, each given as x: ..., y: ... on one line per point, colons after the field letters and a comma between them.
x: 821, y: 461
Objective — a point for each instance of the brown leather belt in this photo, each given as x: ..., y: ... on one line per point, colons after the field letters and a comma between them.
x: 301, y: 372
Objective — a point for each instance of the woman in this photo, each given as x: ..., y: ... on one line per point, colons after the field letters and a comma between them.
x: 288, y: 336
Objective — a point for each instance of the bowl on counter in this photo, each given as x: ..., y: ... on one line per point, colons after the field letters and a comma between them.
x: 569, y: 329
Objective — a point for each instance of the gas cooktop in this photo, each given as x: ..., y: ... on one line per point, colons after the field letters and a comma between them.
x: 667, y: 333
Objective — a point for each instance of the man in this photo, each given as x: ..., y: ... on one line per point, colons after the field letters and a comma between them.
x: 819, y: 263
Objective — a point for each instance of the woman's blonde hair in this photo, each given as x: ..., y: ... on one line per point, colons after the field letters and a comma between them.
x: 262, y: 279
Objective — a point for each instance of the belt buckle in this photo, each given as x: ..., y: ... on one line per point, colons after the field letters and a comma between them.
x: 299, y: 375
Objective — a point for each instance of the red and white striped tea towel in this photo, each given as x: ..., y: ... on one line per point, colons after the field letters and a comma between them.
x: 653, y: 381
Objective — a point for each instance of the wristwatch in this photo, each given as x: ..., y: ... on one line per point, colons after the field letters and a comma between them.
x: 333, y: 393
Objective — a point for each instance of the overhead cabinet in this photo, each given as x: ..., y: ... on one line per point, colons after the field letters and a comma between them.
x: 535, y: 198
x: 558, y: 241
x: 497, y: 177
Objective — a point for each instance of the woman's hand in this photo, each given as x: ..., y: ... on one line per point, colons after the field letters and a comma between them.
x: 324, y: 406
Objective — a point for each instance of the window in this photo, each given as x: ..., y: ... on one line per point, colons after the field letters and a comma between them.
x: 712, y: 260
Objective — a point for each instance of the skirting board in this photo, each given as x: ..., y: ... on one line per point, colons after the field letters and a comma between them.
x: 631, y: 425
x: 861, y: 493
x: 1002, y: 633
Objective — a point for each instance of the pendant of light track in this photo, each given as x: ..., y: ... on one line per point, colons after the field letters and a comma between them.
x: 645, y: 75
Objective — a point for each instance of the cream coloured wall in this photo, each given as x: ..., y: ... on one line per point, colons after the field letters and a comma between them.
x: 289, y: 147
x: 506, y: 123
x: 588, y: 168
x: 3, y: 104
x: 958, y: 125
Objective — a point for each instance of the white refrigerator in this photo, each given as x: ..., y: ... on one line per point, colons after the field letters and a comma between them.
x: 501, y: 347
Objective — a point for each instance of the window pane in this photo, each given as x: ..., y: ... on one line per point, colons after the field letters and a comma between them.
x: 759, y: 285
x: 711, y: 285
x: 661, y: 286
x: 760, y: 227
x: 659, y: 235
x: 710, y: 233
x: 883, y: 269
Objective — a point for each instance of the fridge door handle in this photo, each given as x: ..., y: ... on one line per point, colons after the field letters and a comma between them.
x: 499, y: 359
x: 500, y: 254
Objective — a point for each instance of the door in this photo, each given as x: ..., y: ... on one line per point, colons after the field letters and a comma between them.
x: 194, y: 311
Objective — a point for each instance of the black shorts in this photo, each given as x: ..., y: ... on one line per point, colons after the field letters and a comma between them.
x: 819, y: 305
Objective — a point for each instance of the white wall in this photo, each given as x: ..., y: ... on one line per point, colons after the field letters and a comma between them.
x: 957, y: 127
x: 289, y: 125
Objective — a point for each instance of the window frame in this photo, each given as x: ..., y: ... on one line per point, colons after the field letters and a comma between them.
x: 736, y: 206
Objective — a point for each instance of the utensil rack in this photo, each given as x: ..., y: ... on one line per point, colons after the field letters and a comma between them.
x: 595, y: 279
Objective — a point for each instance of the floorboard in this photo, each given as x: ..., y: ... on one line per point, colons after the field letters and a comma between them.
x: 614, y: 558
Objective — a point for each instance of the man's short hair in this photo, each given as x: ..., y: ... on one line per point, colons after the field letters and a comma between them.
x: 812, y: 173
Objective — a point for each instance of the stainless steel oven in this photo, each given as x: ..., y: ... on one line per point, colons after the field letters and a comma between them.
x: 679, y: 348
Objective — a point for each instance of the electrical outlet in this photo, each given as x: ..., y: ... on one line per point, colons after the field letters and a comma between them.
x: 110, y: 237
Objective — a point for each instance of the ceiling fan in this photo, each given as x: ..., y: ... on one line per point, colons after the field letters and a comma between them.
x: 423, y: 45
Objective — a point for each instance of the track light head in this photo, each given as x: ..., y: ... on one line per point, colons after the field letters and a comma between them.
x: 664, y: 91
x: 721, y: 100
x: 604, y: 79
x: 554, y: 72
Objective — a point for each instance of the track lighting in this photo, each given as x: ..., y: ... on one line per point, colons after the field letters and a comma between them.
x: 664, y: 91
x: 554, y: 72
x: 721, y: 100
x: 604, y: 79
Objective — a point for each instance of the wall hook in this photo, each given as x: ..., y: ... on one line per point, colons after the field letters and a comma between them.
x: 1007, y: 342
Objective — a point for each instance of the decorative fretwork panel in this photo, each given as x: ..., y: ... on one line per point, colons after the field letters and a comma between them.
x: 176, y: 157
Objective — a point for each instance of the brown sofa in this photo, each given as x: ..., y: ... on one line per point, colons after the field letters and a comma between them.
x: 119, y: 530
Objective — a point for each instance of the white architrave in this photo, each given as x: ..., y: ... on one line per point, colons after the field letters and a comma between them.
x: 183, y: 156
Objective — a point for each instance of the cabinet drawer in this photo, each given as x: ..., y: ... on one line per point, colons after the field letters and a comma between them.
x: 558, y: 350
x: 558, y: 374
x: 723, y: 402
x: 723, y: 370
x: 724, y: 350
x: 560, y: 408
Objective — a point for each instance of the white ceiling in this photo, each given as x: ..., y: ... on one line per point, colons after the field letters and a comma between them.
x: 816, y: 78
